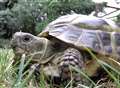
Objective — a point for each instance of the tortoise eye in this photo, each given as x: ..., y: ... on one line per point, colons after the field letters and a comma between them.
x: 26, y: 38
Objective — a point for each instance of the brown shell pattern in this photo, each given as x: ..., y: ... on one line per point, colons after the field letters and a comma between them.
x: 105, y: 43
x: 78, y: 20
x: 64, y: 28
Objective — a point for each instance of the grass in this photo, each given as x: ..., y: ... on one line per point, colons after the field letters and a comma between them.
x: 10, y: 79
x: 4, y: 43
x: 6, y: 70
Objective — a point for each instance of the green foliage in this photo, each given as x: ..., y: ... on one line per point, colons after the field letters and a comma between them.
x: 22, y: 16
x: 33, y: 15
x: 4, y: 43
x: 4, y: 4
x: 6, y: 71
x: 56, y: 8
x: 40, y: 26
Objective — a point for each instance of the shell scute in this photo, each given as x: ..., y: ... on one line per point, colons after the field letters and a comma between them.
x: 64, y: 28
x: 68, y: 36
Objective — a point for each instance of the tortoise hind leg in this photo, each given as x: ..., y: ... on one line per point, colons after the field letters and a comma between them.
x: 71, y: 57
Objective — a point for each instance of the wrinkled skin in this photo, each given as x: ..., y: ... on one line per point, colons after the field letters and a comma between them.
x: 25, y: 43
x: 54, y: 58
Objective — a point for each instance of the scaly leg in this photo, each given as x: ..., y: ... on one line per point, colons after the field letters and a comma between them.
x: 71, y: 57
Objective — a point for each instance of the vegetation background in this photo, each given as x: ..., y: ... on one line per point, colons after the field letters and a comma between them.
x: 31, y: 16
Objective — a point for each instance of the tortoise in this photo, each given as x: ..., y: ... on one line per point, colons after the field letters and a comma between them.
x: 62, y: 45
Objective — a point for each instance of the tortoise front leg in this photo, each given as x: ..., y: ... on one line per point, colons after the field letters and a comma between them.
x: 71, y: 57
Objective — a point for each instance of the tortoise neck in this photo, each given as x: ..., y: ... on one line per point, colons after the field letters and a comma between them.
x: 48, y: 49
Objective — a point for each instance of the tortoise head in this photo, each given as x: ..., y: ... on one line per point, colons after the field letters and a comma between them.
x: 26, y: 43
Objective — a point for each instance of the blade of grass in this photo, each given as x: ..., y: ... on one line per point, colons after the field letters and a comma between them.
x: 103, y: 64
x: 113, y: 69
x: 85, y: 75
x: 20, y: 73
x: 26, y: 80
x: 67, y: 86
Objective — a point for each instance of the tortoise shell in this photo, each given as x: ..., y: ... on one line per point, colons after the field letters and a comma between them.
x: 104, y: 43
x: 82, y: 21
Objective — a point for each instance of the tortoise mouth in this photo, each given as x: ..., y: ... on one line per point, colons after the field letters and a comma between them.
x: 19, y: 50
